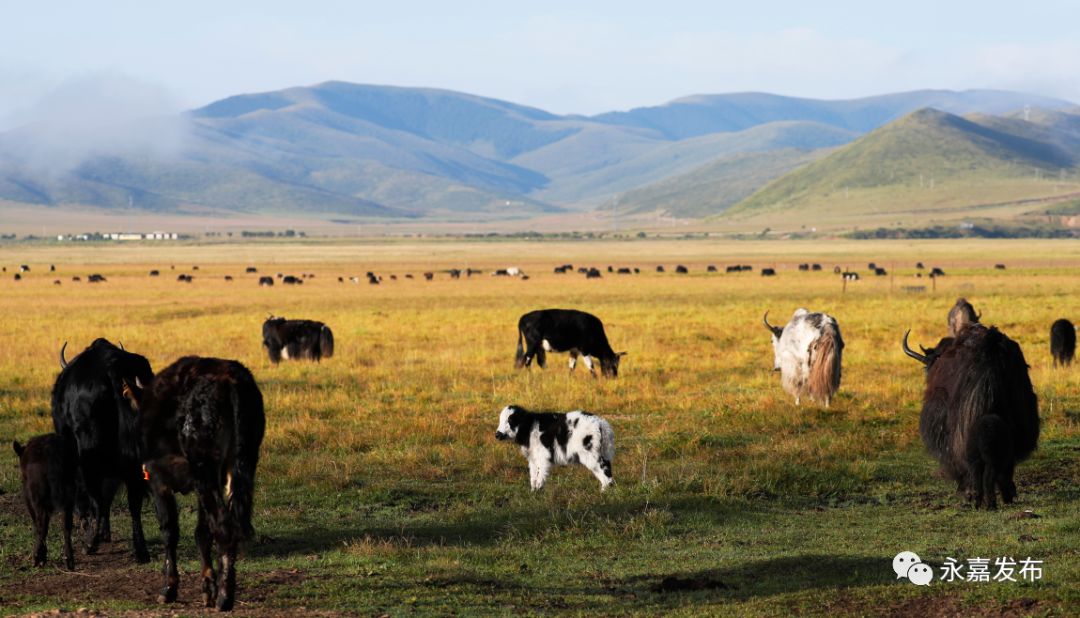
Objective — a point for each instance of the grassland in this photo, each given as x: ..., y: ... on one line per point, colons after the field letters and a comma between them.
x: 382, y: 490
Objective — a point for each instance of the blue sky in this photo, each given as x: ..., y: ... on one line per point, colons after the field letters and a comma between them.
x: 567, y: 57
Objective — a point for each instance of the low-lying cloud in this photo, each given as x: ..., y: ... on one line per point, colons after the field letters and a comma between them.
x: 92, y: 115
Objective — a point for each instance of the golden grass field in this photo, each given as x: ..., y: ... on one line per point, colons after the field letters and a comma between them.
x: 382, y: 490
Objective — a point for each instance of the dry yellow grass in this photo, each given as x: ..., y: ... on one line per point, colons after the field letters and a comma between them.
x: 388, y: 445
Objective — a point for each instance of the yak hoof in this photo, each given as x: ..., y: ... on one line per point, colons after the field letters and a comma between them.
x: 210, y: 593
x: 167, y: 595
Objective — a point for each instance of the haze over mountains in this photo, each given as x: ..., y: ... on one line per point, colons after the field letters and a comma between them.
x: 348, y: 150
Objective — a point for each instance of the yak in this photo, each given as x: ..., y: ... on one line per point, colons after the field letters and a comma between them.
x: 549, y: 439
x: 47, y: 467
x: 297, y: 339
x: 565, y: 330
x: 1062, y: 342
x: 90, y: 411
x: 807, y: 352
x: 980, y: 415
x: 201, y: 423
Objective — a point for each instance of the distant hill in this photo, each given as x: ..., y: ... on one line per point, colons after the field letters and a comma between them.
x: 380, y: 151
x: 703, y: 114
x: 658, y: 163
x: 929, y: 160
x: 715, y: 186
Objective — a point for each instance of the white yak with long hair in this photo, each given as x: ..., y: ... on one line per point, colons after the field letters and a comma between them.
x: 806, y: 352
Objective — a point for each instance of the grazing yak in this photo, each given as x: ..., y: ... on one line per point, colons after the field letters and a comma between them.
x: 553, y: 439
x: 201, y: 422
x: 47, y: 467
x: 90, y: 411
x: 807, y: 353
x: 1062, y: 342
x: 768, y: 272
x: 980, y: 415
x: 565, y: 330
x: 960, y: 316
x: 267, y: 281
x: 297, y: 339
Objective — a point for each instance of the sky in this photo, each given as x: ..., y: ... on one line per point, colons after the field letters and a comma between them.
x: 584, y: 56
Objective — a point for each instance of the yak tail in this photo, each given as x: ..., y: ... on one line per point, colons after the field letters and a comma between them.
x: 250, y: 423
x: 326, y: 342
x: 825, y: 365
x: 519, y: 358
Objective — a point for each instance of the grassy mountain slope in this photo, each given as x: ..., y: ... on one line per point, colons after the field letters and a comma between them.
x: 929, y: 160
x: 715, y: 186
x: 675, y: 158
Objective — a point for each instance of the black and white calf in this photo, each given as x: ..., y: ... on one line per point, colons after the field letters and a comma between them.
x: 553, y: 439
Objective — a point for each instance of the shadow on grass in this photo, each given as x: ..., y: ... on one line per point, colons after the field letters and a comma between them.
x: 489, y: 525
x: 770, y: 577
x: 656, y: 591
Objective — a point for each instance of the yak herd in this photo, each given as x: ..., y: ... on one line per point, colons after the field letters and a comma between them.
x: 197, y: 425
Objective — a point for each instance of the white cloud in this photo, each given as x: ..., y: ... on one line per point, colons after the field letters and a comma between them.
x: 96, y: 113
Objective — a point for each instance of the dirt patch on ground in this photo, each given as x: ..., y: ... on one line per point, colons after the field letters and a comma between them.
x: 111, y: 576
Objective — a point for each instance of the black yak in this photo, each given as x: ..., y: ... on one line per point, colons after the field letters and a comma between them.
x: 201, y: 423
x: 90, y: 411
x: 565, y: 330
x: 980, y: 415
x: 1062, y: 342
x: 297, y: 339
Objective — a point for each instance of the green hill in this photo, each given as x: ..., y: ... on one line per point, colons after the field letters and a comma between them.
x: 715, y: 186
x: 928, y: 161
x: 671, y: 159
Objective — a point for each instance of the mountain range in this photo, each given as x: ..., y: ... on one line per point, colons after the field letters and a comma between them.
x: 364, y: 151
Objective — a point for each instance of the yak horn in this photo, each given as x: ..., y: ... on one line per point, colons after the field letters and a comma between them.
x: 63, y: 361
x: 138, y: 382
x: 776, y: 330
x: 121, y: 346
x: 912, y: 353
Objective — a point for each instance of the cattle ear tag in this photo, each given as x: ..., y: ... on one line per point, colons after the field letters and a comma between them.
x: 145, y: 473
